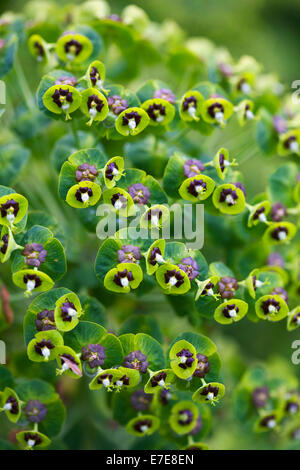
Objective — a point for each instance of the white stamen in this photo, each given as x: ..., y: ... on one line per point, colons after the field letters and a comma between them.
x: 293, y: 408
x: 249, y: 115
x: 144, y: 428
x: 65, y: 107
x: 155, y: 220
x: 226, y: 163
x: 199, y: 188
x: 294, y: 146
x: 271, y: 424
x: 119, y: 383
x: 210, y: 292
x: 72, y: 312
x: 161, y: 383
x: 31, y: 443
x: 258, y: 283
x: 262, y: 217
x: 7, y: 406
x: 39, y: 58
x: 232, y: 313
x: 282, y: 235
x: 131, y: 124
x: 46, y: 353
x: 30, y: 286
x: 118, y: 204
x: 124, y: 281
x: 272, y: 309
x: 219, y: 116
x: 106, y: 383
x: 85, y: 197
x: 70, y: 57
x: 298, y: 321
x: 99, y: 83
x: 10, y: 217
x: 229, y: 199
x: 192, y: 111
x: 115, y: 171
x: 65, y: 367
x: 159, y: 258
x: 172, y: 282
x: 183, y: 359
x: 210, y: 396
x: 245, y: 88
x: 93, y: 112
x: 160, y: 118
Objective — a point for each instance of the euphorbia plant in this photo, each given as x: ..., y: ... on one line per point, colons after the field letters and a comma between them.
x: 98, y: 141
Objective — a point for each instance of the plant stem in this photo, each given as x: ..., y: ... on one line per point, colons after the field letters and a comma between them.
x: 75, y: 134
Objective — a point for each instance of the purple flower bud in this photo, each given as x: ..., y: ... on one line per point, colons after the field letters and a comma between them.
x: 117, y: 104
x: 275, y: 259
x: 136, y: 360
x: 193, y: 167
x: 140, y: 400
x: 260, y: 396
x: 94, y: 354
x: 190, y: 267
x: 165, y: 94
x: 278, y: 212
x: 35, y: 411
x: 129, y: 254
x: 35, y: 254
x: 139, y: 193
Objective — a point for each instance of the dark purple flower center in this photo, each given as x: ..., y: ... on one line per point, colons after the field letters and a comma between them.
x: 60, y: 96
x: 152, y: 258
x: 29, y: 436
x: 45, y: 320
x: 270, y: 306
x: 124, y: 380
x: 119, y: 201
x: 287, y: 143
x: 209, y: 286
x: 186, y: 358
x: 158, y: 379
x: 68, y: 311
x: 258, y: 212
x: 104, y: 378
x: 39, y: 49
x: 185, y: 417
x: 13, y: 404
x: 73, y: 47
x: 197, y: 187
x: 133, y: 115
x: 122, y: 278
x: 9, y: 207
x: 174, y: 278
x: 155, y: 111
x: 268, y: 421
x: 229, y: 196
x: 94, y: 102
x: 45, y: 343
x: 83, y: 191
x: 111, y: 171
x: 34, y: 278
x: 94, y: 75
x: 214, y: 109
x: 230, y: 311
x: 279, y: 233
x: 143, y: 425
x: 190, y: 101
x: 210, y: 390
x: 4, y: 244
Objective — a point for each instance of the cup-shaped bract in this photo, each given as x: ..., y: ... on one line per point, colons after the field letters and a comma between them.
x: 43, y: 347
x: 271, y: 307
x: 83, y: 194
x: 183, y: 359
x: 132, y: 121
x: 73, y: 47
x: 123, y: 278
x: 231, y: 311
x: 229, y: 199
x: 197, y: 188
x: 160, y: 111
x: 67, y: 312
x: 62, y: 99
x: 94, y: 105
x: 143, y: 425
x: 172, y: 279
x: 183, y: 417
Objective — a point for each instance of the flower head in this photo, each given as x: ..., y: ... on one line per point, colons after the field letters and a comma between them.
x: 94, y: 354
x: 68, y: 311
x: 10, y: 210
x: 117, y: 104
x: 260, y: 396
x: 44, y: 347
x: 86, y: 172
x: 129, y: 254
x: 193, y: 167
x: 186, y: 359
x: 227, y: 287
x: 35, y: 254
x: 35, y: 411
x: 278, y: 212
x: 45, y: 320
x: 203, y: 366
x: 136, y: 360
x: 140, y: 194
x: 190, y: 267
x: 165, y: 94
x: 140, y: 400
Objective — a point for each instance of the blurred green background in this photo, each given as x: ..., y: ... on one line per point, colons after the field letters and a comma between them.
x: 267, y: 29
